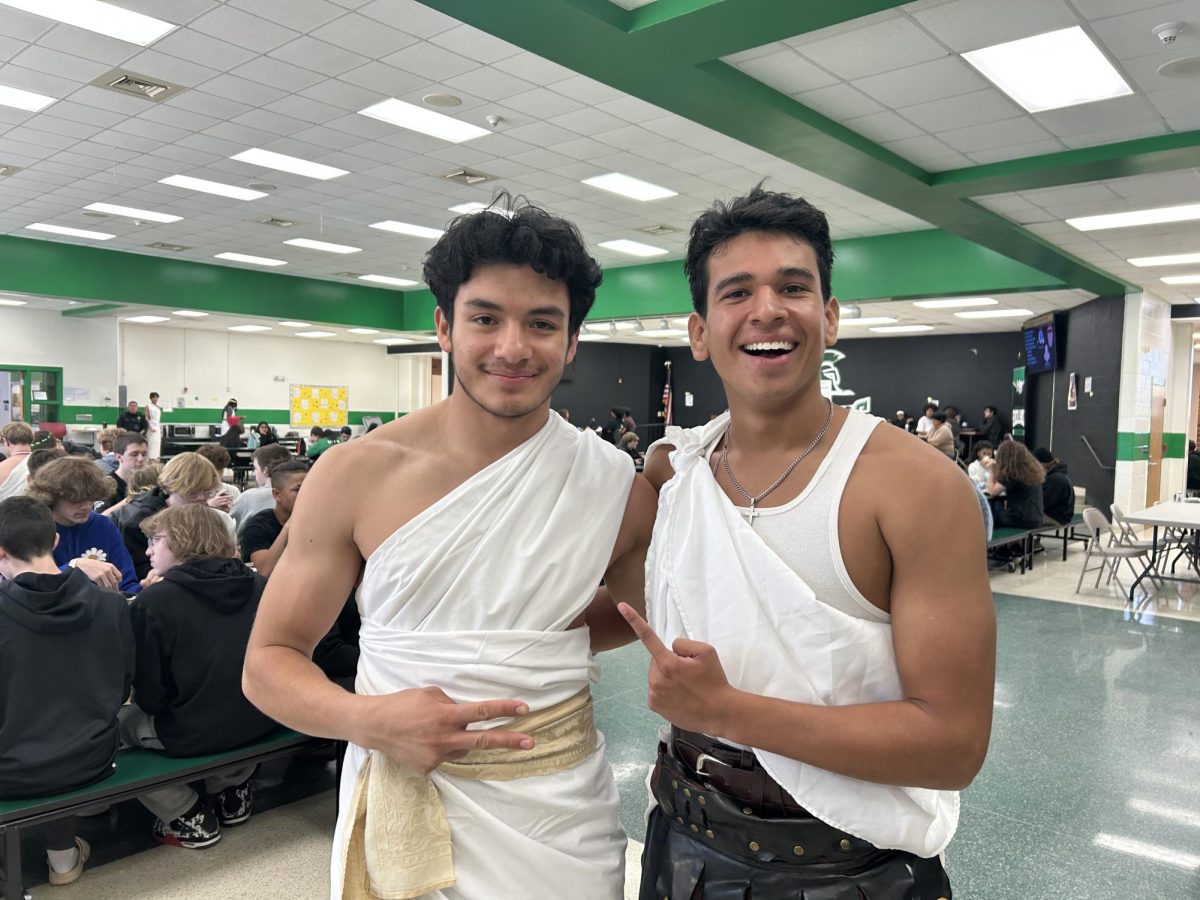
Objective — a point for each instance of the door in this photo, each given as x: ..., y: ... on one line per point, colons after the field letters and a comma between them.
x: 1158, y: 406
x: 435, y: 379
x: 5, y: 398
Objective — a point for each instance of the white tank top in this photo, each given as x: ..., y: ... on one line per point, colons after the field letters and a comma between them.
x: 804, y: 532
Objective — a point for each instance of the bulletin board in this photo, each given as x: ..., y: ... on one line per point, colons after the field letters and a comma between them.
x: 320, y: 404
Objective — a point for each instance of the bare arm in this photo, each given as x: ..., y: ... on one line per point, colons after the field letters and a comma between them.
x: 944, y: 637
x: 625, y: 579
x: 266, y: 560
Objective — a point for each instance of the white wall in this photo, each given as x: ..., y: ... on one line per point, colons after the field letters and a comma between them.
x: 1146, y: 354
x: 85, y: 348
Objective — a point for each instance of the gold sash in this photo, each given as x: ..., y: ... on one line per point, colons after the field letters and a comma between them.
x: 398, y: 844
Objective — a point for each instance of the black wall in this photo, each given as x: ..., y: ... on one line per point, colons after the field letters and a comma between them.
x: 607, y: 375
x: 1090, y: 345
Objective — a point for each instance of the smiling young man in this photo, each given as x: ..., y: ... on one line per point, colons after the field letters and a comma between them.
x: 827, y: 698
x: 481, y: 526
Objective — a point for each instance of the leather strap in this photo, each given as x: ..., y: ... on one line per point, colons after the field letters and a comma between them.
x: 732, y: 771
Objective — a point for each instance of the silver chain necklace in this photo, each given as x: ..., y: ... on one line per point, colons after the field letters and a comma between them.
x: 754, y: 501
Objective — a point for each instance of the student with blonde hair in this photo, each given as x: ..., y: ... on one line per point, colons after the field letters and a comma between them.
x: 17, y: 438
x: 190, y: 628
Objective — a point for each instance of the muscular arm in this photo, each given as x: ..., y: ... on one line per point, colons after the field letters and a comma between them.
x: 624, y: 580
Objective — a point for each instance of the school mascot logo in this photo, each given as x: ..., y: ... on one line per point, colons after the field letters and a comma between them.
x: 831, y: 381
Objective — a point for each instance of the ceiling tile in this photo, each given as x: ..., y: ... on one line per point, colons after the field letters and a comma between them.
x: 302, y: 15
x: 228, y: 23
x: 64, y: 65
x: 187, y: 44
x: 207, y: 104
x: 534, y: 69
x: 587, y: 121
x: 970, y: 24
x: 319, y: 56
x: 976, y: 108
x: 1178, y: 106
x: 412, y: 18
x: 1129, y: 112
x: 542, y: 103
x: 871, y: 49
x: 1130, y: 35
x: 927, y: 151
x: 344, y: 96
x: 883, y: 126
x: 1098, y: 138
x: 430, y: 62
x: 489, y: 83
x: 40, y: 82
x: 23, y: 26
x: 363, y: 36
x: 933, y: 80
x: 474, y: 44
x: 1006, y: 152
x: 305, y: 109
x: 586, y: 90
x: 839, y: 101
x: 787, y: 71
x: 1010, y: 133
x: 183, y: 72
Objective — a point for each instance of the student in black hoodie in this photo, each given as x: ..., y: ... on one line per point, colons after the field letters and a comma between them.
x: 1058, y: 494
x: 66, y: 664
x: 191, y: 625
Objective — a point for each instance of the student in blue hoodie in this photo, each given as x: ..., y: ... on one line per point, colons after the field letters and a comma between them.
x: 66, y: 665
x: 191, y: 625
x: 70, y: 487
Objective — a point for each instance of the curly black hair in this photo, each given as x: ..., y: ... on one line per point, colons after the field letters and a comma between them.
x: 759, y: 210
x: 530, y: 236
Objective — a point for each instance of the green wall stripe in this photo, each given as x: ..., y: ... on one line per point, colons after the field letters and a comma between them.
x: 1175, y: 446
x: 1129, y: 444
x: 201, y: 415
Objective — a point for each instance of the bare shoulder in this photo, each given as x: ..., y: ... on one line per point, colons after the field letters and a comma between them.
x: 643, y: 499
x: 658, y: 469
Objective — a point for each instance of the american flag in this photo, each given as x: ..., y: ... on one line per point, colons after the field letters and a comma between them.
x: 666, y: 399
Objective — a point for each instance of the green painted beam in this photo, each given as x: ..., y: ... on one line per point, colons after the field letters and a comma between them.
x: 730, y: 102
x: 59, y: 269
x: 94, y: 309
x: 1144, y: 156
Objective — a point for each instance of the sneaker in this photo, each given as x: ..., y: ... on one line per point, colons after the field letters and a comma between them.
x: 196, y: 828
x: 235, y: 804
x: 60, y: 878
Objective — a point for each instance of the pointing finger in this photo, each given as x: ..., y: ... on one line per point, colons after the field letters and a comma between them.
x: 658, y: 650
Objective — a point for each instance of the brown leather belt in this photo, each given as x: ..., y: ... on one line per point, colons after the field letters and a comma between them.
x: 734, y: 772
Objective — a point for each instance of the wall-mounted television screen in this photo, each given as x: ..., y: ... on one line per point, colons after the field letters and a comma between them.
x: 1040, y: 338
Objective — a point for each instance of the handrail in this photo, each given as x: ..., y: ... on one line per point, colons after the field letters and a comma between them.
x: 1092, y: 450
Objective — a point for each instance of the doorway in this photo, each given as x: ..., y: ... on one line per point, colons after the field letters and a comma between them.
x: 1158, y: 407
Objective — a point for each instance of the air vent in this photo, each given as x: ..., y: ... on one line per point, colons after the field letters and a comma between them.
x: 276, y: 223
x: 658, y: 230
x: 137, y: 85
x: 7, y: 170
x: 96, y: 215
x: 349, y: 274
x: 468, y: 176
x: 174, y: 248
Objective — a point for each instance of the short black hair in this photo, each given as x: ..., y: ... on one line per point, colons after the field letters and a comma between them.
x: 993, y: 409
x: 980, y: 446
x: 939, y: 416
x: 1042, y: 455
x: 530, y: 236
x: 759, y: 210
x: 932, y: 406
x: 26, y: 528
x: 280, y: 473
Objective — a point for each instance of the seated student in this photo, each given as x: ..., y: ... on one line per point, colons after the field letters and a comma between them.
x: 227, y: 492
x: 132, y: 451
x: 256, y: 499
x: 1018, y: 476
x: 190, y: 627
x: 942, y: 436
x: 70, y: 488
x: 261, y: 436
x: 347, y: 433
x: 1058, y: 495
x: 1193, y: 469
x: 629, y: 443
x: 106, y: 441
x: 39, y: 458
x: 17, y: 438
x: 320, y: 440
x: 925, y: 424
x: 981, y: 464
x: 186, y: 479
x: 66, y: 664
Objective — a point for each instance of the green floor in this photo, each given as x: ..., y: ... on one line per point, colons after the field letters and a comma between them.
x: 1095, y: 745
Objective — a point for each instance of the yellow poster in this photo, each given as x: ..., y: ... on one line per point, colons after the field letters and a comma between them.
x: 320, y: 404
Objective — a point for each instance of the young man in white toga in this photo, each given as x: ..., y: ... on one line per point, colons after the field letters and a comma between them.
x: 481, y: 527
x: 828, y: 698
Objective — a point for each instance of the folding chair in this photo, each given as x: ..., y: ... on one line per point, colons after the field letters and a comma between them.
x: 1110, y: 552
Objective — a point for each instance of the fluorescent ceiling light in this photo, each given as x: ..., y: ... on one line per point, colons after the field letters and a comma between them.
x: 1051, y: 70
x: 315, y: 334
x: 662, y: 333
x: 4, y: 301
x: 679, y: 323
x: 1181, y: 279
x: 869, y: 320
x: 1160, y: 216
x: 130, y: 212
x: 626, y: 326
x: 954, y: 302
x: 323, y: 245
x: 146, y: 320
x: 412, y: 230
x: 467, y: 208
x: 290, y: 324
x: 249, y: 327
x: 633, y: 248
x: 1147, y: 851
x: 393, y: 341
x: 253, y: 260
x: 388, y: 279
x: 425, y: 121
x: 190, y: 313
x: 994, y: 314
x: 26, y: 100
x: 211, y: 187
x: 593, y: 337
x: 71, y: 232
x: 901, y: 329
x: 283, y: 163
x: 362, y: 331
x: 100, y: 17
x: 626, y: 186
x: 1179, y: 259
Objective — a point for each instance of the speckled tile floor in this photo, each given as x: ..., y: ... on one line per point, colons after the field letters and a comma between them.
x: 1091, y: 790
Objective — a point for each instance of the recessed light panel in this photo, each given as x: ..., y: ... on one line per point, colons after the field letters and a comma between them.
x: 362, y: 331
x: 26, y: 100
x: 633, y: 248
x: 252, y: 260
x: 315, y: 334
x: 954, y: 302
x: 283, y: 163
x: 388, y: 279
x: 71, y: 232
x: 411, y: 230
x: 323, y: 245
x: 190, y: 313
x: 211, y: 187
x: 1162, y: 215
x: 249, y: 328
x: 131, y: 213
x: 97, y: 16
x: 425, y: 121
x: 467, y: 208
x: 146, y: 320
x: 291, y: 324
x: 1181, y: 279
x: 662, y: 333
x: 1050, y: 71
x: 995, y: 314
x: 591, y: 336
x: 868, y: 320
x: 5, y: 301
x: 1179, y: 259
x: 393, y: 342
x: 634, y: 188
x: 901, y: 329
